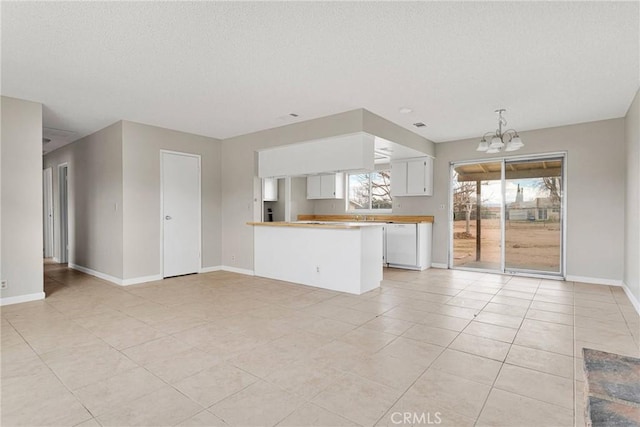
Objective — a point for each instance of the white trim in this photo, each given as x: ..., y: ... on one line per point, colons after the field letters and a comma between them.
x: 594, y: 280
x: 67, y: 253
x: 97, y: 274
x: 141, y: 279
x: 116, y: 280
x: 439, y: 265
x: 632, y: 297
x: 21, y: 298
x: 56, y: 260
x: 47, y: 212
x: 210, y: 269
x: 238, y: 270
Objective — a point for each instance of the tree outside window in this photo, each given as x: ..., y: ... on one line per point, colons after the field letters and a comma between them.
x: 370, y: 191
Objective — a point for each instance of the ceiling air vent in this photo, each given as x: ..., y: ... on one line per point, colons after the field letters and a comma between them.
x: 46, y: 140
x: 419, y: 125
x: 293, y: 114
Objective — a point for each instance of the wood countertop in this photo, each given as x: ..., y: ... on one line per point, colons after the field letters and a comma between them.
x: 402, y: 219
x: 312, y: 224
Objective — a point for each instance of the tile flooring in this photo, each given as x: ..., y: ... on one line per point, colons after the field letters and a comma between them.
x: 219, y: 349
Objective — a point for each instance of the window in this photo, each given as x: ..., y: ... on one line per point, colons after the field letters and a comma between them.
x: 369, y: 191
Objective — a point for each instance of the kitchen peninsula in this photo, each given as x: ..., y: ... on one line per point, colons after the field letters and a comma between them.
x: 339, y: 256
x: 341, y: 252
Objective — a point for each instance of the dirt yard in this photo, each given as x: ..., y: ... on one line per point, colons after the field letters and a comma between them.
x: 529, y: 245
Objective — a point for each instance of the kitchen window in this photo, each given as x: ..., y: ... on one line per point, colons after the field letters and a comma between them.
x: 369, y: 192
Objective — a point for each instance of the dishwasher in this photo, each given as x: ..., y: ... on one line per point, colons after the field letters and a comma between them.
x: 402, y: 244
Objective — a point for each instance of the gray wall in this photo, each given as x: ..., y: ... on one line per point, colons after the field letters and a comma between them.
x: 379, y: 126
x: 595, y: 192
x: 95, y: 189
x: 632, y: 195
x: 141, y: 199
x: 240, y: 193
x: 21, y: 197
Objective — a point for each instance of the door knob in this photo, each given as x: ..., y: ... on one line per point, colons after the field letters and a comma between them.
x: 167, y: 217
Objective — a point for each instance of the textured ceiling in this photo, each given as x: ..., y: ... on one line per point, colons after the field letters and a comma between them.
x: 227, y: 68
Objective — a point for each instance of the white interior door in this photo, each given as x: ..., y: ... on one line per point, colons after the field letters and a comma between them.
x: 180, y: 213
x: 47, y: 212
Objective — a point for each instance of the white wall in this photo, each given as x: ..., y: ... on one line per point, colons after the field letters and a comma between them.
x: 141, y: 199
x: 21, y: 200
x: 632, y: 195
x: 95, y: 200
x: 595, y: 193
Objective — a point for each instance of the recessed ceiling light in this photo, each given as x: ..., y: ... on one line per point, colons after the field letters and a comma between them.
x: 405, y: 110
x: 419, y: 125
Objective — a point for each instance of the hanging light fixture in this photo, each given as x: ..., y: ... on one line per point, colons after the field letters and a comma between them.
x: 508, y: 140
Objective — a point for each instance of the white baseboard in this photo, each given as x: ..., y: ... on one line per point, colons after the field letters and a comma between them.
x: 238, y: 270
x: 56, y: 260
x: 632, y: 298
x: 439, y: 265
x: 97, y: 274
x: 22, y: 298
x: 138, y: 280
x: 593, y: 280
x: 144, y: 279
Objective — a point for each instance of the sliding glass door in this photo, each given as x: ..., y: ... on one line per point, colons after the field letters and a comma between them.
x: 477, y: 216
x: 507, y: 215
x: 533, y: 213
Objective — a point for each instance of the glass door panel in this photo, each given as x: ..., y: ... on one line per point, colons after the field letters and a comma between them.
x: 477, y: 202
x: 533, y: 215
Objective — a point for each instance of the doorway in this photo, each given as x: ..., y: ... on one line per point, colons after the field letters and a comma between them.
x: 63, y: 195
x: 508, y: 215
x: 47, y: 212
x: 181, y: 200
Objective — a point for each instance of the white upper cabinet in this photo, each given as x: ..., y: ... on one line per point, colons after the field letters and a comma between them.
x: 327, y: 186
x: 270, y: 190
x: 412, y: 177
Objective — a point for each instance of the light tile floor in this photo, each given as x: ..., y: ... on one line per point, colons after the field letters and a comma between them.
x: 220, y: 349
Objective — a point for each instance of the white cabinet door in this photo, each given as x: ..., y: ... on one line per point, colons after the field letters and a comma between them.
x: 399, y: 179
x: 314, y: 187
x: 327, y: 186
x: 270, y: 190
x: 412, y: 177
x: 402, y: 244
x: 428, y: 176
x: 415, y: 176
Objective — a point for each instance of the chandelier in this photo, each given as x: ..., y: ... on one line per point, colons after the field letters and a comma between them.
x: 508, y: 140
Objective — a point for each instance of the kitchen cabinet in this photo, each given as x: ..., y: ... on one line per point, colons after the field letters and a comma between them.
x: 408, y: 245
x: 326, y: 186
x: 270, y: 190
x: 412, y: 177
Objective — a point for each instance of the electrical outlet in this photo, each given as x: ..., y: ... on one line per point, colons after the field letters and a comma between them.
x: 4, y: 284
x: 317, y: 269
x: 441, y: 206
x: 233, y: 257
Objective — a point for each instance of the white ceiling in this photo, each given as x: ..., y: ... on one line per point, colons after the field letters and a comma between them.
x: 227, y: 68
